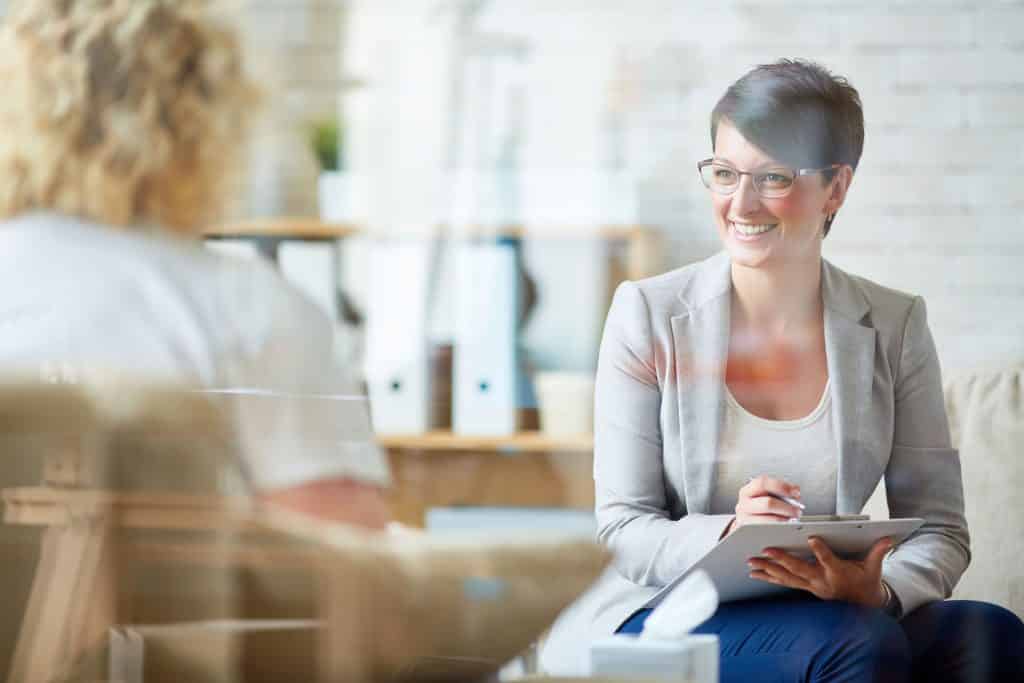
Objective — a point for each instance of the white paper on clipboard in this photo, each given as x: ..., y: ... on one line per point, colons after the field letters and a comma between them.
x: 726, y: 563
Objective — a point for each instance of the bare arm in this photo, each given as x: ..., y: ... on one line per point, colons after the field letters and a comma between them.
x: 335, y: 500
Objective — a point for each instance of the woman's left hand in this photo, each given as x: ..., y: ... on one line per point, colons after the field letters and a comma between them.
x: 831, y: 578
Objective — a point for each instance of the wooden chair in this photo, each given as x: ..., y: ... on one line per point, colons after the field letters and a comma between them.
x: 135, y: 524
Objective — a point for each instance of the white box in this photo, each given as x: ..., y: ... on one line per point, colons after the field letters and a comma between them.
x: 237, y: 248
x: 312, y: 267
x: 219, y: 651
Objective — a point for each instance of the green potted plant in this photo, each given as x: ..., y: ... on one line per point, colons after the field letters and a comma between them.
x: 326, y: 139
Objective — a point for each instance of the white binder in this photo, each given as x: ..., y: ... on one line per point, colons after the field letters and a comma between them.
x: 484, y: 368
x: 397, y: 368
x: 237, y: 248
x: 313, y: 268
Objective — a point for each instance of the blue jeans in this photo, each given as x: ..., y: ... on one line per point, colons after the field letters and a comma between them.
x: 800, y: 638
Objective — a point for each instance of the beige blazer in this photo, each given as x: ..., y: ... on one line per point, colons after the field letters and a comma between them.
x: 657, y: 427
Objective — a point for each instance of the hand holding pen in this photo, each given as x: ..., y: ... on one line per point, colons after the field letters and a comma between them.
x: 766, y: 499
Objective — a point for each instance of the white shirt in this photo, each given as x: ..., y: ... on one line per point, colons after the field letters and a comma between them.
x: 802, y: 452
x: 75, y: 295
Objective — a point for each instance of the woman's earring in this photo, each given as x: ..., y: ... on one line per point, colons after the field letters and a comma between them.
x: 828, y: 224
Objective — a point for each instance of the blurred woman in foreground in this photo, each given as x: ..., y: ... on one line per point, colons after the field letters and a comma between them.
x: 120, y: 125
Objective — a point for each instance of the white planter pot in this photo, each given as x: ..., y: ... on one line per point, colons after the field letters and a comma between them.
x: 334, y: 195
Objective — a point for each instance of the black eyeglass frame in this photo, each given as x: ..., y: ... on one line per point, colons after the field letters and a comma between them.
x: 798, y: 172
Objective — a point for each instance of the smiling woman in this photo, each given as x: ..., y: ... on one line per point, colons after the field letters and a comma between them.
x: 698, y: 433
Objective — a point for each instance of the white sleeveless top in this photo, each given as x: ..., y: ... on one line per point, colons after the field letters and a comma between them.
x: 803, y: 452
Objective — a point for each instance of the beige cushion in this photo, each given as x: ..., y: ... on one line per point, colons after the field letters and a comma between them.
x: 165, y: 438
x: 986, y: 411
x: 114, y: 432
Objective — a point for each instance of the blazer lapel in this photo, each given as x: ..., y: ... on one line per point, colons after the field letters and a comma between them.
x: 701, y: 340
x: 850, y: 351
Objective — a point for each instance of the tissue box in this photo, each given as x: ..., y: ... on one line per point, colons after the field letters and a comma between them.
x: 540, y: 678
x: 693, y: 659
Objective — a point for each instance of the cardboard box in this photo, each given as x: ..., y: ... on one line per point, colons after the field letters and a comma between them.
x: 587, y: 679
x: 226, y: 651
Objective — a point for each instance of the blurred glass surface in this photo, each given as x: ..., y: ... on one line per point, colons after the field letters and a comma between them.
x: 134, y: 551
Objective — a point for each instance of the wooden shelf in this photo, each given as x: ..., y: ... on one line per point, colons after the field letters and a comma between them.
x: 313, y: 228
x: 643, y: 244
x: 285, y: 228
x: 527, y: 442
x: 610, y: 233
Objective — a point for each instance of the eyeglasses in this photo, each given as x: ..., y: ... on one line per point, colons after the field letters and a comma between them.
x: 770, y: 183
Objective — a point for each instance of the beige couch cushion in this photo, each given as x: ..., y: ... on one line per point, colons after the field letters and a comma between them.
x: 986, y: 411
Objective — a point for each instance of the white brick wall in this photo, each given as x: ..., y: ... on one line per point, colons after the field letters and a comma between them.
x: 935, y: 206
x: 294, y: 53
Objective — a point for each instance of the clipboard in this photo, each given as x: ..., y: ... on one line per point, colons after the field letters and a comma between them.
x: 726, y: 563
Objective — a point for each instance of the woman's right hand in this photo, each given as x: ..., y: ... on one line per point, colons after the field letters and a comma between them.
x: 756, y: 505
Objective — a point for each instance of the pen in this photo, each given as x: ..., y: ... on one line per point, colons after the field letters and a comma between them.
x: 786, y: 499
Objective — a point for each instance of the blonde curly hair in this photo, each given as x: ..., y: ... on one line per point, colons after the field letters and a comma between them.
x: 125, y: 112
